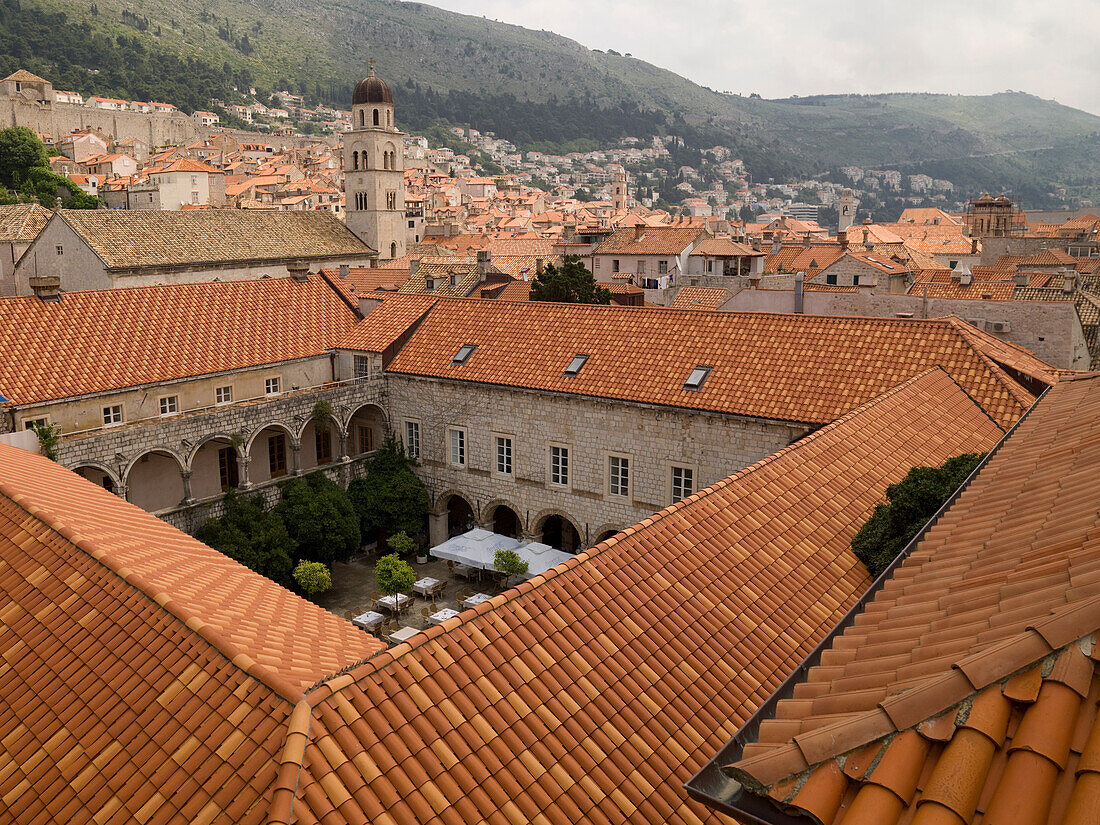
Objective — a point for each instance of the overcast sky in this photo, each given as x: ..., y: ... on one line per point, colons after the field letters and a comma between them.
x: 805, y: 47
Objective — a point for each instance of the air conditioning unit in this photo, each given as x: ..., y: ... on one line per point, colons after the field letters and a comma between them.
x: 998, y: 326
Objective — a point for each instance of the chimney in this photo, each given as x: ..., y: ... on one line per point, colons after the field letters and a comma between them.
x: 777, y: 244
x: 483, y: 261
x: 842, y: 238
x: 1020, y: 279
x: 639, y: 231
x: 1069, y: 281
x: 46, y: 287
x: 344, y: 270
x: 799, y: 280
x: 756, y: 246
x: 973, y: 246
x: 538, y: 266
x: 806, y: 241
x: 299, y: 270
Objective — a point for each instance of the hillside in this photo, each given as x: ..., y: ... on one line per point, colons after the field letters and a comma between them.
x: 538, y: 88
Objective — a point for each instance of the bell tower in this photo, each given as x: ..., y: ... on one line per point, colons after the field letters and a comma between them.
x: 374, y: 170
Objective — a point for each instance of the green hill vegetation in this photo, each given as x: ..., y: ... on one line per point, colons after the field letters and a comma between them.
x: 536, y: 88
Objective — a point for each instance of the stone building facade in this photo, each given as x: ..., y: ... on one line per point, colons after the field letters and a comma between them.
x: 656, y: 443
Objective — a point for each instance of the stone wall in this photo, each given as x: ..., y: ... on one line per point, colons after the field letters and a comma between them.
x: 654, y: 439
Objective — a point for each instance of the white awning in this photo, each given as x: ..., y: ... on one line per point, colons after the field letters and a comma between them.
x: 477, y: 548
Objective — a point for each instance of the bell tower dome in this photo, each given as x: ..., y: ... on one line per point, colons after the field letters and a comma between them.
x: 374, y: 170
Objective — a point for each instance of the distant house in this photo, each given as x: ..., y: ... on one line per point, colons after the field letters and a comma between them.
x: 74, y: 98
x: 205, y: 119
x: 102, y: 249
x: 108, y: 103
x: 187, y: 182
x: 644, y: 255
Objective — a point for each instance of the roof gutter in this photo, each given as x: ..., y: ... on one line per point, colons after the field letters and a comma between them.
x: 711, y: 785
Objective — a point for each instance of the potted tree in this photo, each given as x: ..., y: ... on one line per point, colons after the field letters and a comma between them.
x: 394, y: 576
x: 509, y: 563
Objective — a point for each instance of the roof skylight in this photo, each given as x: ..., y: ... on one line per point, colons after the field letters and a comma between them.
x: 463, y: 354
x: 576, y: 364
x: 697, y: 378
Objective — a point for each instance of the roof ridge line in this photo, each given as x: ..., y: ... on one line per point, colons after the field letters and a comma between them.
x: 239, y: 658
x: 378, y: 661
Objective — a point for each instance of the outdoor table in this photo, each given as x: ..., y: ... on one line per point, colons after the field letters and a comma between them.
x: 477, y: 599
x: 395, y: 604
x: 427, y: 586
x: 369, y: 620
x: 403, y: 634
x: 441, y: 616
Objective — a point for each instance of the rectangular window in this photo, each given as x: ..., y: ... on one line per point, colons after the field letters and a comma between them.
x: 412, y: 438
x: 575, y: 365
x: 830, y: 280
x: 559, y: 466
x: 366, y: 439
x: 273, y: 386
x: 641, y: 267
x: 194, y: 197
x: 112, y: 414
x: 619, y: 476
x: 31, y: 423
x: 169, y: 405
x: 223, y: 395
x: 662, y: 267
x: 323, y: 440
x: 276, y: 455
x: 60, y: 249
x: 362, y: 366
x: 697, y: 378
x: 615, y: 265
x: 458, y: 448
x: 504, y: 455
x: 683, y: 483
x: 227, y: 468
x: 194, y: 180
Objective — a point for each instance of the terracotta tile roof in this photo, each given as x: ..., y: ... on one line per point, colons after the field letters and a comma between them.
x: 786, y: 367
x: 965, y: 690
x: 931, y: 240
x: 697, y: 296
x: 22, y: 222
x: 441, y: 269
x: 146, y: 677
x: 146, y: 238
x: 880, y: 262
x: 723, y: 247
x: 386, y: 323
x: 978, y: 290
x: 363, y: 280
x: 116, y: 338
x: 649, y: 241
x: 591, y: 692
x: 810, y: 260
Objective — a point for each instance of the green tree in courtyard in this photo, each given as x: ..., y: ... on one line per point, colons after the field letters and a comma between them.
x: 390, y: 498
x: 320, y: 517
x: 20, y: 150
x: 312, y: 577
x: 910, y: 504
x: 252, y: 535
x: 572, y: 283
x: 394, y: 575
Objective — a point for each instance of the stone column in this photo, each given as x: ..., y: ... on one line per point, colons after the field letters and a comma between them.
x: 243, y: 460
x: 122, y: 491
x: 437, y: 528
x: 297, y: 458
x: 187, y: 497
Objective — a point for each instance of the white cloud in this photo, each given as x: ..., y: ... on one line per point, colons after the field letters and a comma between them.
x: 807, y: 47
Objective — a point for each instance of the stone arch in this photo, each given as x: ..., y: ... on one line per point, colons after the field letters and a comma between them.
x: 568, y: 543
x: 461, y: 512
x: 491, y: 515
x: 260, y: 463
x: 606, y: 531
x: 210, y: 475
x: 393, y: 249
x: 365, y: 429
x: 376, y: 123
x: 106, y: 475
x: 155, y: 479
x: 362, y: 118
x: 313, y: 448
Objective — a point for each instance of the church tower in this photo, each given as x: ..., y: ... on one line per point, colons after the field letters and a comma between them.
x: 374, y: 170
x: 846, y: 210
x: 620, y: 194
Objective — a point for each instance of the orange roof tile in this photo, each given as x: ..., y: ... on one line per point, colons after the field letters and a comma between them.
x: 386, y: 323
x: 786, y: 367
x: 118, y: 338
x: 978, y: 290
x: 591, y: 692
x: 697, y: 296
x: 966, y: 686
x: 649, y: 241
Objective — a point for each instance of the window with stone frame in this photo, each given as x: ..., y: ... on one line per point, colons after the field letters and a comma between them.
x: 223, y: 395
x: 170, y: 405
x: 322, y: 438
x: 559, y: 465
x: 618, y: 475
x: 362, y: 366
x: 112, y: 414
x: 366, y: 439
x: 504, y: 455
x: 458, y: 448
x: 683, y: 483
x: 412, y: 438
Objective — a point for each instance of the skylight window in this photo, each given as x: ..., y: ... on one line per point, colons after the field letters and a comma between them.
x: 697, y: 378
x: 576, y: 364
x: 463, y: 354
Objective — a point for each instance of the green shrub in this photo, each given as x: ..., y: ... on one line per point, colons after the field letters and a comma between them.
x: 401, y: 544
x: 509, y: 563
x: 394, y: 575
x: 312, y: 577
x: 390, y: 498
x: 320, y: 517
x: 49, y: 436
x: 910, y: 504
